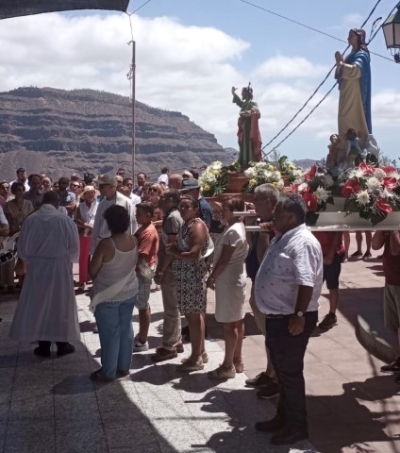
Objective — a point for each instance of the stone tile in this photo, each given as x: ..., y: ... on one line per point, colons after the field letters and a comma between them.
x: 32, y: 408
x: 76, y: 407
x: 121, y: 434
x: 30, y: 436
x: 77, y: 436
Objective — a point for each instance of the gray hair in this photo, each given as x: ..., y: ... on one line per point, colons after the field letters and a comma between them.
x: 267, y: 191
x: 294, y: 204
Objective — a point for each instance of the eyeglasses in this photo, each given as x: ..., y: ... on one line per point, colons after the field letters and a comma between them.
x: 75, y: 185
x: 153, y: 189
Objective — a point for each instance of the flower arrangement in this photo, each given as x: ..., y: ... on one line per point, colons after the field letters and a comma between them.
x: 315, y: 187
x: 372, y: 192
x: 214, y: 179
x: 262, y: 173
x: 288, y: 169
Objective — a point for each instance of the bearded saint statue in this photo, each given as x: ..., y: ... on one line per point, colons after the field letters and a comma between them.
x: 249, y: 136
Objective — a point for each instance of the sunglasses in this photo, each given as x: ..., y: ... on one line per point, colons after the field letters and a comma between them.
x: 152, y: 190
x: 75, y: 185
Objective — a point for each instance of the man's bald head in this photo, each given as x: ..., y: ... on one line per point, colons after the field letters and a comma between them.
x: 175, y: 181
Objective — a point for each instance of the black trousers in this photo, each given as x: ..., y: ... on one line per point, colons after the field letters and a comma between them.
x: 47, y: 344
x: 287, y: 356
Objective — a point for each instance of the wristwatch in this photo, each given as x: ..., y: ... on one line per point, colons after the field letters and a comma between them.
x: 300, y: 314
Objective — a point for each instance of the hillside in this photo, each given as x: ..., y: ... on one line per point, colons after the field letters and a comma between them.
x: 62, y: 132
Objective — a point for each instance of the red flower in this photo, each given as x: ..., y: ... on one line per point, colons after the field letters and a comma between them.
x: 383, y: 206
x: 310, y: 174
x: 390, y: 183
x: 350, y: 188
x: 310, y: 200
x: 389, y: 169
x: 366, y: 169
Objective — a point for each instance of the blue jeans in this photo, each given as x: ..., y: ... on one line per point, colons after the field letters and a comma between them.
x: 114, y: 321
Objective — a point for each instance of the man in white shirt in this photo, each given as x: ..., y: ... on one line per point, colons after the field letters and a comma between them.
x: 108, y: 188
x: 287, y: 288
x: 21, y: 177
x: 163, y: 179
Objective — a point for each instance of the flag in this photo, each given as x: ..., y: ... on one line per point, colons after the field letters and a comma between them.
x: 15, y: 8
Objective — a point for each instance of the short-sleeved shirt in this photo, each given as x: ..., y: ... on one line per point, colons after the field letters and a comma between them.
x: 148, y: 242
x: 206, y: 212
x: 66, y: 198
x: 391, y: 264
x: 3, y: 218
x: 325, y: 238
x: 293, y: 259
x: 234, y: 236
x: 163, y: 179
x: 171, y: 225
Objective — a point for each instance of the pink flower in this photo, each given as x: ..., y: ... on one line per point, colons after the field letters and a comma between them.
x: 310, y: 174
x: 389, y: 169
x: 383, y: 206
x: 366, y: 169
x: 310, y: 200
x: 351, y: 187
x: 390, y: 183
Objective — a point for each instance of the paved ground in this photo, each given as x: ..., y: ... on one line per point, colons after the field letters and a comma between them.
x: 50, y: 405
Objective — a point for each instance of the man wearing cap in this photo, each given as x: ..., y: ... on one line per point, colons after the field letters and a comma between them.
x: 190, y: 186
x: 21, y: 177
x: 108, y: 188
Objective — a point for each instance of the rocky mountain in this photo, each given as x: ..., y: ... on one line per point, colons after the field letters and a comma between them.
x: 62, y: 132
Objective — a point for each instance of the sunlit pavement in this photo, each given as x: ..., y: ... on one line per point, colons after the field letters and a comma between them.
x: 51, y: 405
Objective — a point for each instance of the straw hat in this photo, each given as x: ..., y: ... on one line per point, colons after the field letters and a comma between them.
x: 89, y: 189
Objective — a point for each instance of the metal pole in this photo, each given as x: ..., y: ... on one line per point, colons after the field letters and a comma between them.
x: 133, y: 109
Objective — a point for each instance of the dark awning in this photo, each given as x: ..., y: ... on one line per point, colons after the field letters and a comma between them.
x: 15, y: 8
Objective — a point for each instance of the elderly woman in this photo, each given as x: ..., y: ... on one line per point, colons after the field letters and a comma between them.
x: 192, y: 247
x: 228, y: 278
x: 85, y: 215
x: 16, y: 211
x: 115, y: 288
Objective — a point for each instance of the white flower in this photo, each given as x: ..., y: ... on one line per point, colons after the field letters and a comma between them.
x: 302, y: 187
x: 386, y: 193
x: 261, y: 165
x: 279, y: 184
x: 379, y: 173
x: 276, y: 175
x: 373, y: 183
x: 250, y: 172
x: 393, y: 174
x: 363, y: 197
x: 266, y: 174
x: 322, y: 194
x: 217, y: 165
x: 328, y: 180
x: 357, y: 173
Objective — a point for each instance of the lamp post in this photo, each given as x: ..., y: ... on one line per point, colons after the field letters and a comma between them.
x: 391, y: 30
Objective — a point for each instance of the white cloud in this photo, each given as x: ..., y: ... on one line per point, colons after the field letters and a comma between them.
x: 283, y: 67
x: 179, y: 67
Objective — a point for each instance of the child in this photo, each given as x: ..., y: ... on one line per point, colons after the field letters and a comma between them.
x: 148, y: 242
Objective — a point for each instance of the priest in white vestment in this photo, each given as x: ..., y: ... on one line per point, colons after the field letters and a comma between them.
x: 46, y: 310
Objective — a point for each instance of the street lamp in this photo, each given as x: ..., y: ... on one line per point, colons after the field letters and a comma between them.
x: 391, y: 30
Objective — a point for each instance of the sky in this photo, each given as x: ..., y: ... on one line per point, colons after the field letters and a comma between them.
x: 191, y: 52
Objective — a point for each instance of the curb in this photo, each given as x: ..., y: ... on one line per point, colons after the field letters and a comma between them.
x: 373, y: 343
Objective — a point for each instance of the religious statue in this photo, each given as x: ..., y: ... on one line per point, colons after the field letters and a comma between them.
x: 354, y: 77
x: 248, y: 131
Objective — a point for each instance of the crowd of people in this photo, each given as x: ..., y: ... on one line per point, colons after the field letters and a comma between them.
x: 126, y: 236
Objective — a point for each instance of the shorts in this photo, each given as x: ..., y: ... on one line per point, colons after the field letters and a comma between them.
x: 143, y: 296
x: 391, y: 307
x: 332, y: 272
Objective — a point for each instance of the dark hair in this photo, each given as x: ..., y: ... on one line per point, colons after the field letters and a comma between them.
x: 146, y: 207
x: 234, y: 204
x: 64, y: 178
x: 164, y: 170
x: 142, y: 173
x: 173, y: 194
x: 248, y: 90
x: 117, y: 219
x: 30, y: 177
x: 51, y: 197
x: 361, y: 35
x: 125, y: 180
x: 88, y: 178
x: 120, y: 169
x: 21, y: 169
x: 195, y: 174
x: 15, y: 185
x: 294, y: 204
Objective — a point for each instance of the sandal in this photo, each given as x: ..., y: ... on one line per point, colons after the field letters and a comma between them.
x: 222, y: 373
x: 204, y: 357
x: 189, y: 366
x: 239, y: 366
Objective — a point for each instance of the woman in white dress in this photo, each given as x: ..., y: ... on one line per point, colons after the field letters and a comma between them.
x: 228, y: 279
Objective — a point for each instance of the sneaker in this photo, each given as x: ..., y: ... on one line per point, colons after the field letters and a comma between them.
x: 222, y: 373
x: 259, y: 381
x: 328, y: 322
x: 393, y: 367
x: 367, y: 256
x: 356, y: 254
x: 268, y: 392
x: 139, y: 346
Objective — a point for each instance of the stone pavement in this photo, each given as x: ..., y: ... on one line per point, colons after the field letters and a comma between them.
x: 50, y: 405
